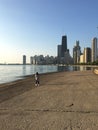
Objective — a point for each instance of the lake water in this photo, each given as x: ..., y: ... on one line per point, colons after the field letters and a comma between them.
x: 10, y: 73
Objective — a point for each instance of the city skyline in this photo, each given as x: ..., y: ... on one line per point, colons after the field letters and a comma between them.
x: 35, y: 27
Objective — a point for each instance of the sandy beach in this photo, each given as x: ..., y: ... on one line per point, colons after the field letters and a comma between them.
x: 63, y: 101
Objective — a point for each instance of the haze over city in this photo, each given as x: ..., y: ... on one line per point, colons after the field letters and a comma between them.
x: 34, y: 27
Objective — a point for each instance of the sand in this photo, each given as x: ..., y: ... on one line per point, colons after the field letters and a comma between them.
x: 63, y: 101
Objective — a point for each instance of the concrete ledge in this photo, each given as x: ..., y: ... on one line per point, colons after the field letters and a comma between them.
x: 96, y: 71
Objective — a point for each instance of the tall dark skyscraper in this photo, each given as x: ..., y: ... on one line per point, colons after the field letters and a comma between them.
x: 64, y: 56
x: 64, y: 45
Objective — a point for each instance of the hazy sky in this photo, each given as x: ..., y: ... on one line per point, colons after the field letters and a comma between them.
x: 34, y: 27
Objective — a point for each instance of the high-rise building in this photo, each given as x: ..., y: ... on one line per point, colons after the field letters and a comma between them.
x: 64, y: 45
x: 94, y: 49
x: 24, y: 59
x: 81, y: 58
x: 87, y: 55
x: 76, y: 53
x: 64, y: 56
x: 31, y: 60
x: 59, y: 51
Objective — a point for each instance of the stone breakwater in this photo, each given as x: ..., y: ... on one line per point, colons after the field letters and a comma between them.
x: 64, y: 101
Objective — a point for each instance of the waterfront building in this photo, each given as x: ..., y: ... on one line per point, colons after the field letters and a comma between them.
x: 41, y: 60
x: 31, y: 60
x: 94, y: 49
x: 63, y: 55
x: 59, y: 51
x: 64, y: 45
x: 76, y: 53
x: 24, y: 59
x: 87, y: 55
x: 81, y: 58
x: 67, y: 58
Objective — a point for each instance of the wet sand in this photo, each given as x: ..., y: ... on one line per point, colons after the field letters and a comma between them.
x: 64, y: 101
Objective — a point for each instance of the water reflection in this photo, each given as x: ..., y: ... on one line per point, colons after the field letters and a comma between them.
x: 62, y: 68
x: 77, y: 68
x: 24, y: 69
x: 73, y: 68
x: 28, y: 70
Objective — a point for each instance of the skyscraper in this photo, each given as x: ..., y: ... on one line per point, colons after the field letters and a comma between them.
x: 87, y: 55
x: 76, y: 53
x: 64, y: 45
x: 24, y: 59
x: 94, y: 49
x: 64, y: 56
x: 59, y: 51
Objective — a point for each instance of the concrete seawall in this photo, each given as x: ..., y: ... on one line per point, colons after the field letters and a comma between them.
x: 64, y: 101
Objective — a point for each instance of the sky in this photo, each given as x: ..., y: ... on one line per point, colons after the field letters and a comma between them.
x: 35, y: 27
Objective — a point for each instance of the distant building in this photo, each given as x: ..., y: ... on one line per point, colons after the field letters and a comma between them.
x: 59, y: 51
x: 63, y: 56
x: 41, y: 60
x: 67, y: 57
x: 31, y: 60
x: 64, y: 45
x: 76, y: 53
x: 24, y: 59
x: 94, y: 49
x: 87, y: 55
x: 81, y: 58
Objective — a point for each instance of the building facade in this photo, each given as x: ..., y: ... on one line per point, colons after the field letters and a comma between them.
x: 24, y: 59
x: 63, y: 55
x: 94, y: 49
x: 59, y: 51
x: 87, y: 55
x: 64, y: 45
x: 76, y: 53
x: 81, y: 58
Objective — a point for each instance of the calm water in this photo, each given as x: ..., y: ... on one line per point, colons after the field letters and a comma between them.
x: 10, y: 73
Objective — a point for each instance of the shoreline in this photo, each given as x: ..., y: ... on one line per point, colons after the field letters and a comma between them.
x: 29, y: 79
x: 23, y: 77
x: 15, y: 88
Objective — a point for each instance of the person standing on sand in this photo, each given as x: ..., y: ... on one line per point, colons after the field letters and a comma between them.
x: 37, y: 79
